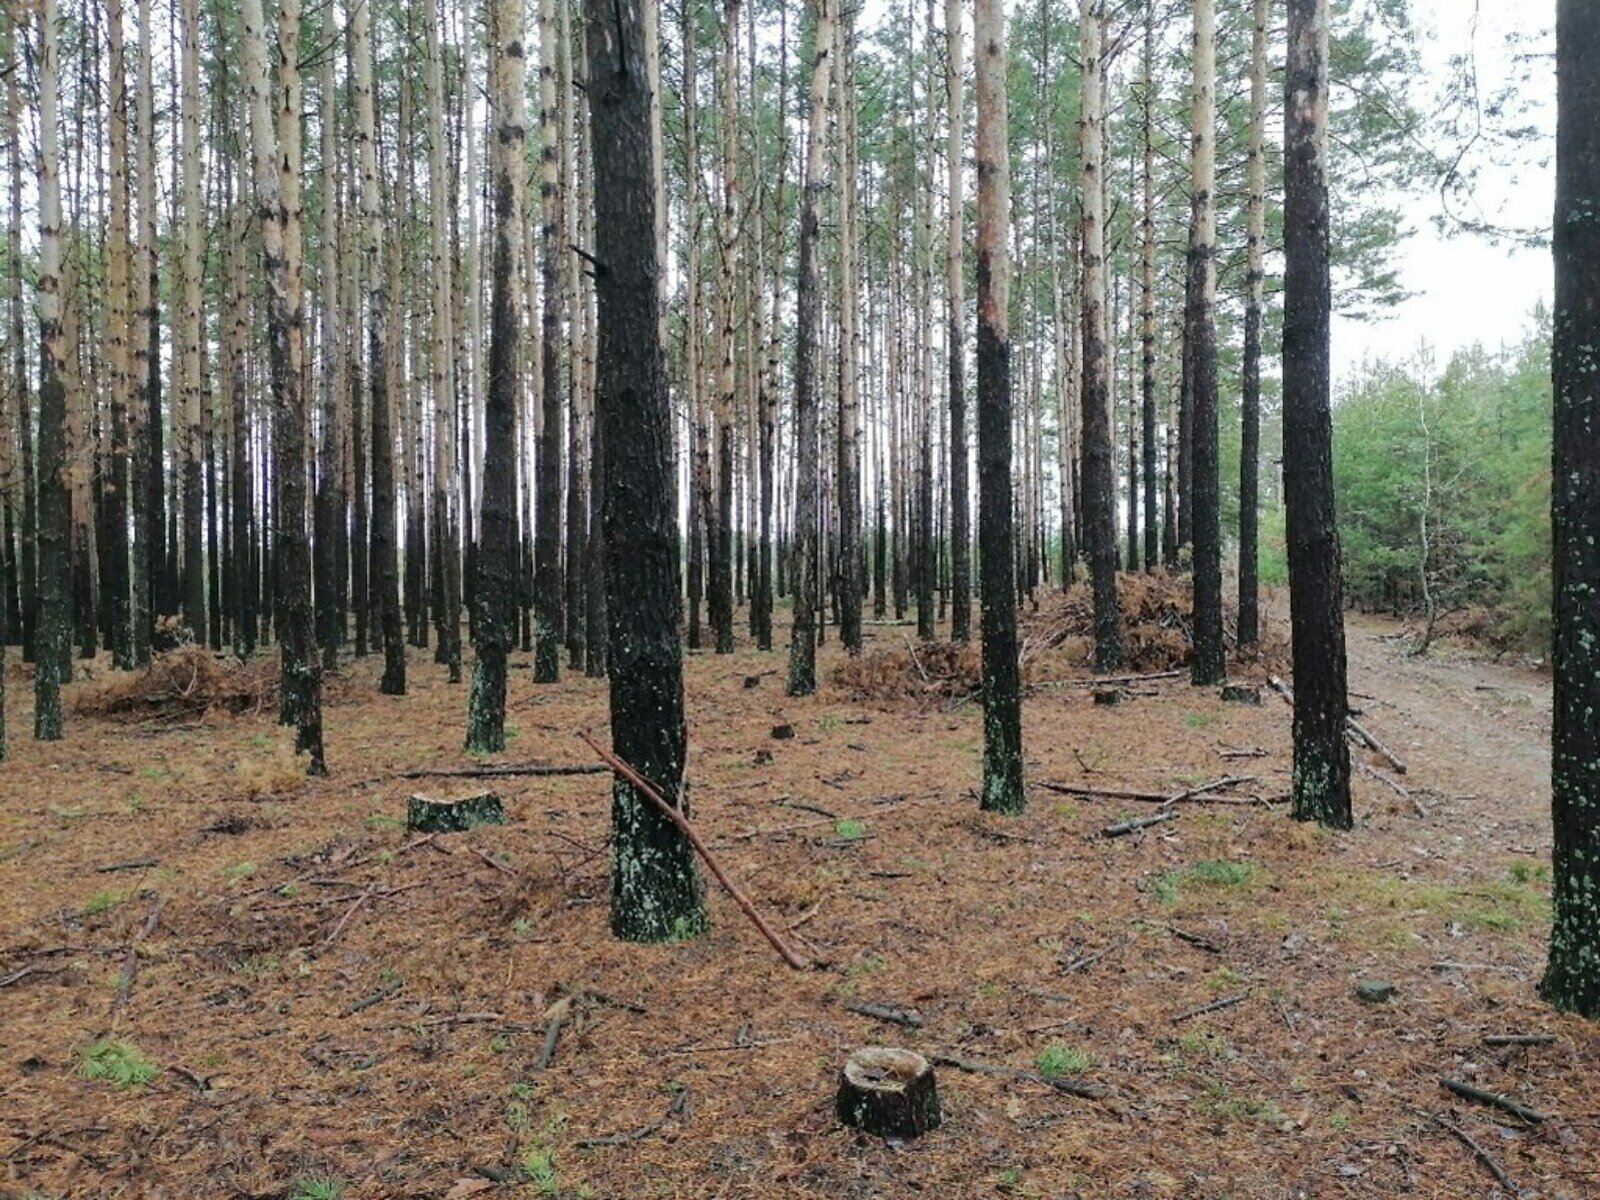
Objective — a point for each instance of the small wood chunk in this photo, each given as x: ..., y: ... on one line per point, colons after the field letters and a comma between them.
x: 752, y: 681
x: 763, y: 757
x: 424, y: 814
x: 1108, y: 696
x: 1240, y: 693
x: 782, y: 733
x: 888, y: 1092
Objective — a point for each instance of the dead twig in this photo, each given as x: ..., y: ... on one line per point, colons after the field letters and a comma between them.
x: 1478, y: 1152
x: 1084, y: 961
x: 1134, y: 824
x: 557, y: 1017
x: 1519, y: 1039
x: 892, y: 1013
x: 1214, y: 1006
x: 1086, y: 1091
x: 360, y: 901
x: 916, y: 661
x: 377, y: 997
x: 1494, y: 1099
x: 676, y: 1109
x: 130, y: 964
x: 503, y: 771
x: 133, y: 864
x: 642, y: 786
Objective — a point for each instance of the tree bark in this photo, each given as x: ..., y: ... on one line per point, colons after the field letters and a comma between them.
x: 54, y: 622
x: 1572, y: 977
x: 497, y: 550
x: 655, y: 889
x: 802, y: 676
x: 1209, y: 666
x: 192, y: 326
x: 849, y: 460
x: 1002, y: 687
x: 1250, y: 399
x: 276, y: 160
x: 1147, y: 329
x: 1321, y: 787
x: 383, y: 567
x: 547, y: 588
x: 1099, y: 482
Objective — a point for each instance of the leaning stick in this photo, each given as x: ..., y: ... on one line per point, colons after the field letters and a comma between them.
x: 1353, y: 728
x: 642, y: 786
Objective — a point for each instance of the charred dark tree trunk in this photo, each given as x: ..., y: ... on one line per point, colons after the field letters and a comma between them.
x: 1321, y: 789
x: 1572, y: 978
x: 1250, y: 398
x: 655, y: 890
x: 1209, y: 666
x: 1002, y: 685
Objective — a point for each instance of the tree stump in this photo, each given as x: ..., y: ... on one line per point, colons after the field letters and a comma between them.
x: 1108, y: 696
x: 1240, y: 693
x: 424, y: 814
x: 888, y: 1093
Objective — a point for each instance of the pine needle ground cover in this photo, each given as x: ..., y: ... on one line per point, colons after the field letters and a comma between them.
x: 219, y: 978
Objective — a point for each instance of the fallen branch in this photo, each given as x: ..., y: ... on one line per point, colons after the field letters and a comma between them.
x: 1519, y: 1039
x: 1494, y: 1099
x: 1071, y: 1087
x: 642, y: 786
x: 675, y: 1109
x: 1478, y: 1152
x: 915, y: 660
x: 1134, y: 824
x: 1214, y: 1006
x: 133, y: 864
x: 503, y: 771
x: 1352, y: 727
x: 360, y: 902
x: 377, y: 997
x: 891, y: 1013
x: 1106, y: 680
x: 130, y: 965
x: 1085, y: 961
x: 552, y: 1034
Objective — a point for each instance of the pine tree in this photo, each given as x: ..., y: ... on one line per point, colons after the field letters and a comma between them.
x: 1572, y: 977
x: 495, y: 593
x: 1099, y: 475
x: 1209, y: 664
x: 655, y: 892
x: 802, y: 676
x: 53, y: 631
x: 1002, y: 685
x: 956, y: 329
x: 549, y: 619
x: 1250, y: 399
x: 1321, y: 789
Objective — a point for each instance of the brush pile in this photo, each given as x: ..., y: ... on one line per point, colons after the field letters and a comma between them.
x: 1057, y: 638
x: 187, y: 682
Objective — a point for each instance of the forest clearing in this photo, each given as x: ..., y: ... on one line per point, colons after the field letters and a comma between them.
x: 326, y: 997
x: 799, y: 598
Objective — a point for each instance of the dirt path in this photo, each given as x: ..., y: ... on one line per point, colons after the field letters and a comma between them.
x: 1466, y: 726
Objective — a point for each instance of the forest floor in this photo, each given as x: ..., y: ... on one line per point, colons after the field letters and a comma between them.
x: 291, y: 994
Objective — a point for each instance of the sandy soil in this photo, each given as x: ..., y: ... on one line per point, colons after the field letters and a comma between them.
x: 325, y: 999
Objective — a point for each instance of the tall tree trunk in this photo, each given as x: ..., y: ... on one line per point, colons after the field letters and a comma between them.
x: 1572, y: 978
x: 54, y: 629
x: 802, y: 676
x: 447, y: 535
x: 655, y: 891
x: 849, y: 468
x: 1099, y: 475
x: 956, y: 328
x: 721, y: 540
x: 27, y: 475
x: 242, y: 602
x: 192, y: 328
x: 1250, y: 399
x: 383, y: 567
x: 1147, y: 328
x: 277, y: 192
x: 547, y: 600
x: 1002, y: 687
x: 497, y: 552
x: 578, y: 392
x: 1321, y: 789
x: 329, y: 504
x: 117, y: 325
x: 1200, y: 332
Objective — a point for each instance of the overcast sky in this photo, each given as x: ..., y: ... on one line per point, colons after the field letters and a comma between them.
x: 1467, y: 290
